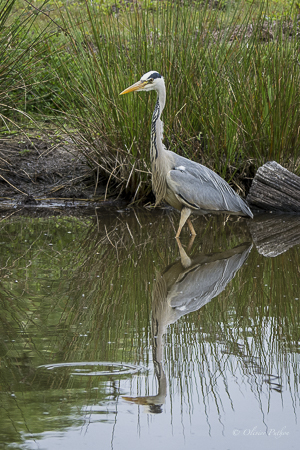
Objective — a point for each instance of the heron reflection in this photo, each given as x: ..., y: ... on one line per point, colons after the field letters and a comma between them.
x: 183, y: 287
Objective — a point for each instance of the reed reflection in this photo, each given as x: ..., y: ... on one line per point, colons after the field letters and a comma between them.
x: 90, y: 303
x: 183, y: 287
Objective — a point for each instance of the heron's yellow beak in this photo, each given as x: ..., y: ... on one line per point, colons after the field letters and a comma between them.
x: 134, y: 87
x: 138, y: 400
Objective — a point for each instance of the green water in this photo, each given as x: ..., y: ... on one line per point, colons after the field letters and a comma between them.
x: 114, y: 337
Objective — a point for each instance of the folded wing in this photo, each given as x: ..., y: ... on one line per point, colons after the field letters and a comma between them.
x: 199, y: 188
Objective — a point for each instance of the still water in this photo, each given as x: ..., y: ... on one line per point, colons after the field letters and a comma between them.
x: 115, y: 336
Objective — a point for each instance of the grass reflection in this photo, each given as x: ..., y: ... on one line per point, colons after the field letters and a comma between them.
x: 89, y: 296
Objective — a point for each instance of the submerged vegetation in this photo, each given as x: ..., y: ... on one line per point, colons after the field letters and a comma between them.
x: 232, y: 74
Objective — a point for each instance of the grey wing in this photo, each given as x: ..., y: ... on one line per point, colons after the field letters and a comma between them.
x: 200, y: 284
x: 198, y: 187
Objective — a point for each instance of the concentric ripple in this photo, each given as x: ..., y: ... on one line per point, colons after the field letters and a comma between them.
x: 87, y: 368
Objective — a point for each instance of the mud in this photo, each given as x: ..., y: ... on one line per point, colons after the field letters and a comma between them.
x: 35, y: 172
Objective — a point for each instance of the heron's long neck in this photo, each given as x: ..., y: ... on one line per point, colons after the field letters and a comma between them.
x: 157, y: 148
x: 157, y: 128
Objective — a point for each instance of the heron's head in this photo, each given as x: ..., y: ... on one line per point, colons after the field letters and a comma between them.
x: 150, y: 81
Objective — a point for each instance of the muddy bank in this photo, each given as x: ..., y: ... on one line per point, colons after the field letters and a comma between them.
x: 35, y: 172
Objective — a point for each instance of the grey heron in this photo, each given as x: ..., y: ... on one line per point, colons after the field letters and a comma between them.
x: 186, y: 185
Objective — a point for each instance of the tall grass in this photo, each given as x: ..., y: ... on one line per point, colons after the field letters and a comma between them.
x: 232, y: 86
x: 22, y: 50
x: 232, y: 95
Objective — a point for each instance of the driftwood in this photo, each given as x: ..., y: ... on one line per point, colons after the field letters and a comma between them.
x: 275, y: 188
x: 274, y: 234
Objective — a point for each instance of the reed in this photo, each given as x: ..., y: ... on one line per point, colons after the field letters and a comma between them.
x: 232, y: 84
x: 23, y: 47
x: 232, y: 78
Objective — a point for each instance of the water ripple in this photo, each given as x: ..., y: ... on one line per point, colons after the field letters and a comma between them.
x: 84, y: 368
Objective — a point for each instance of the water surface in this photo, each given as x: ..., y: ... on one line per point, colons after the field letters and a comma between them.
x: 115, y: 336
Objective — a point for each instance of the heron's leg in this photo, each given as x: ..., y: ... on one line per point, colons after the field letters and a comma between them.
x: 185, y: 214
x: 192, y: 238
x: 190, y: 225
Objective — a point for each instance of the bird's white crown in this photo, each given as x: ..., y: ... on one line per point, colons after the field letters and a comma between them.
x: 152, y: 74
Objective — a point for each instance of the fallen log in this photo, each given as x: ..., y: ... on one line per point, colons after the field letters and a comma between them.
x: 275, y: 188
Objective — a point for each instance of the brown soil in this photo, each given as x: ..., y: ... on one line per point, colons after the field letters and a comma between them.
x: 35, y: 171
